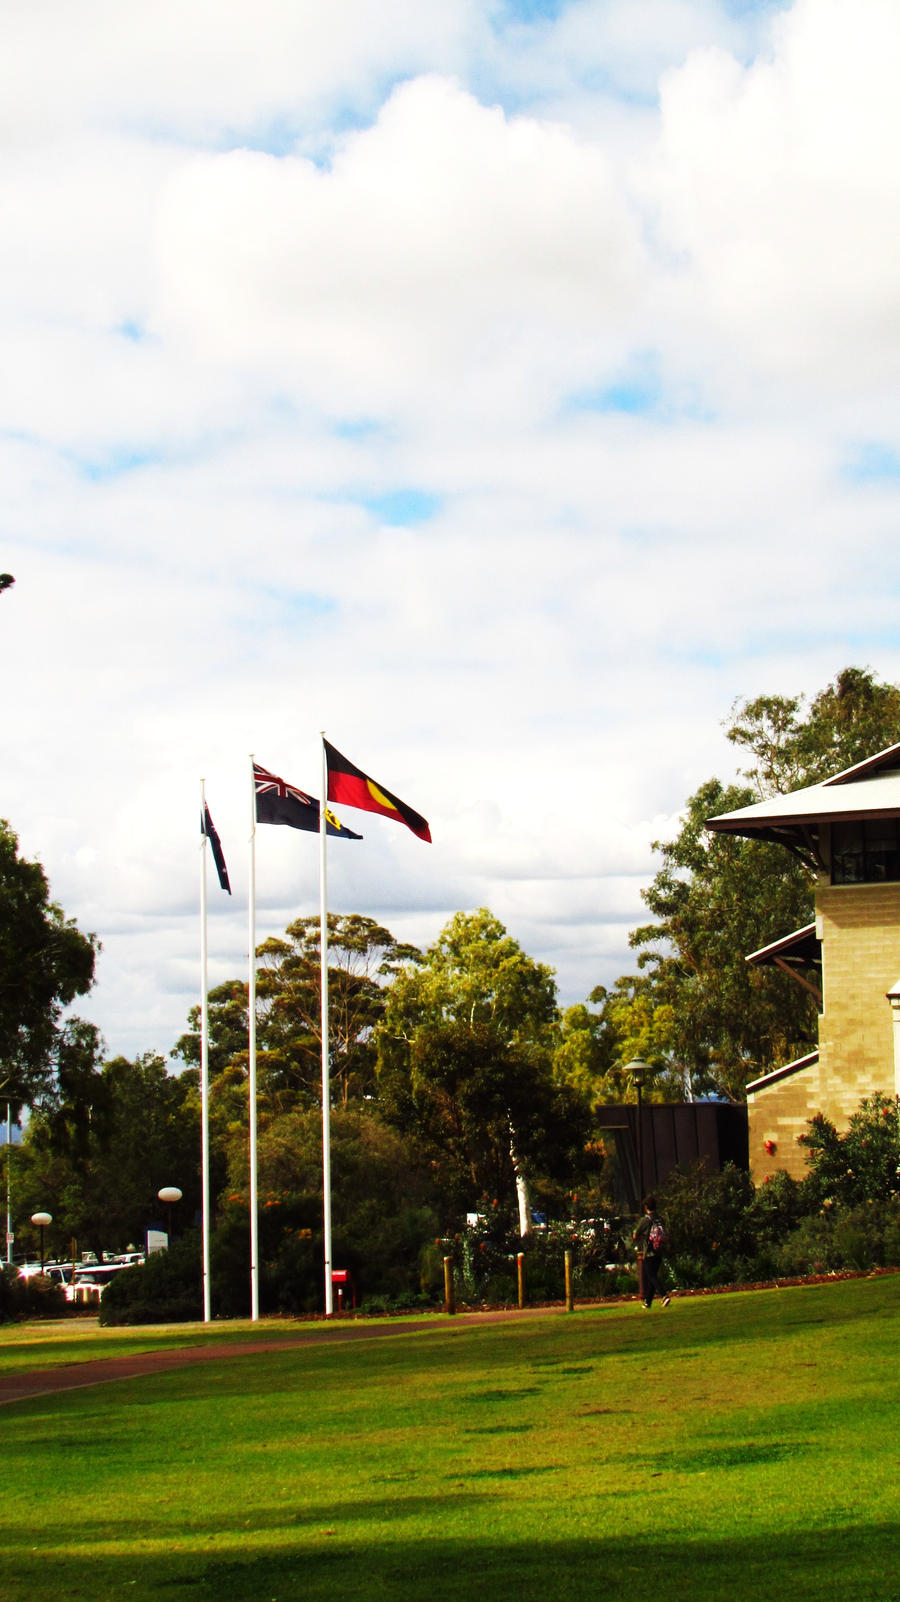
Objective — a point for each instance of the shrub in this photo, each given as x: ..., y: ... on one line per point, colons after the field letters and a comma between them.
x: 710, y: 1223
x: 861, y: 1165
x: 35, y: 1297
x: 808, y: 1249
x: 166, y: 1289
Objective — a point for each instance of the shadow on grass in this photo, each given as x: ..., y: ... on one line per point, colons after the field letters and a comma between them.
x: 839, y: 1563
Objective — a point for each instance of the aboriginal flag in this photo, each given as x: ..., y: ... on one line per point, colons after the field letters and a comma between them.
x: 354, y: 788
x: 208, y: 828
x: 280, y: 802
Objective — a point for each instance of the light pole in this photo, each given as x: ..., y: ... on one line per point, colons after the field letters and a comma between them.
x: 170, y: 1194
x: 639, y: 1071
x: 9, y: 1228
x: 42, y: 1220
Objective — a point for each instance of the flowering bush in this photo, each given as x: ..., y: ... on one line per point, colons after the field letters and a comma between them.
x: 862, y: 1164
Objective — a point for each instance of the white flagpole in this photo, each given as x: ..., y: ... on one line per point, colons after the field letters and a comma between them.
x: 204, y: 1062
x: 251, y: 1016
x: 9, y: 1228
x: 326, y: 1064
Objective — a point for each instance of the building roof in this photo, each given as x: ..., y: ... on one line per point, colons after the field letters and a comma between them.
x: 784, y: 1072
x: 869, y: 789
x: 803, y: 948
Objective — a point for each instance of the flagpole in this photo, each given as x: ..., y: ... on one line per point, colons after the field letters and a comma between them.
x: 251, y: 1018
x: 326, y: 1066
x: 204, y: 1061
x: 9, y: 1228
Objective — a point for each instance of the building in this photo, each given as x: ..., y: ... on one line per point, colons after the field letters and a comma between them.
x: 847, y: 830
x: 646, y: 1143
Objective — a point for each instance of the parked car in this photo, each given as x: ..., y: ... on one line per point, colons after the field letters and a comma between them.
x: 89, y: 1283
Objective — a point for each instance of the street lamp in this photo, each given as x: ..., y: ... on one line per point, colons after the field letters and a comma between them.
x: 640, y: 1072
x: 170, y: 1194
x: 42, y: 1220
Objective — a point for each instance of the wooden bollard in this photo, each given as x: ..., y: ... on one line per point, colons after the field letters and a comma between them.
x: 520, y: 1272
x: 570, y: 1300
x: 449, y: 1301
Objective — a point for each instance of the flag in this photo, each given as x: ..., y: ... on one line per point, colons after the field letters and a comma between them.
x: 280, y: 802
x: 208, y: 828
x: 354, y: 788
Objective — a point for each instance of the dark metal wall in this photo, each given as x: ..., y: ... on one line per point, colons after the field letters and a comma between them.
x: 673, y: 1135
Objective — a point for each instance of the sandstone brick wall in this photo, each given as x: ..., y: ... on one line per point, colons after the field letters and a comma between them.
x: 860, y: 930
x: 780, y: 1113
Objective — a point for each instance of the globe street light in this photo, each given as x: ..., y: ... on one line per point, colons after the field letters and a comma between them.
x: 170, y: 1194
x: 640, y: 1072
x: 42, y: 1219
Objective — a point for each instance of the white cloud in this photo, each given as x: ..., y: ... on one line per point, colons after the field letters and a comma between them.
x: 447, y: 252
x: 207, y: 72
x: 778, y: 183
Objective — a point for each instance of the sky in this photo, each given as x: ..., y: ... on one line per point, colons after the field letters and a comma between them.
x: 504, y: 387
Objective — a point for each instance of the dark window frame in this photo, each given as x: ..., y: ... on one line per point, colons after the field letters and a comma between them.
x: 865, y: 851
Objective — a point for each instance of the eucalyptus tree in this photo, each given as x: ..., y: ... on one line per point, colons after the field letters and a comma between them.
x: 45, y: 963
x: 465, y: 1065
x: 717, y: 897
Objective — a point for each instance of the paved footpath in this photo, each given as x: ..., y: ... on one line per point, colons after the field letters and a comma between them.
x: 134, y: 1365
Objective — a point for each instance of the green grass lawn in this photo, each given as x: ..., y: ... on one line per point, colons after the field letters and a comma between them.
x: 732, y: 1447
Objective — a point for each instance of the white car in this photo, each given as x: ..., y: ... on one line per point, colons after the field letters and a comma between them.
x: 88, y: 1284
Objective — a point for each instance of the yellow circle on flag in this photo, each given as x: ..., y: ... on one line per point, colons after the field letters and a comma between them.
x: 377, y: 796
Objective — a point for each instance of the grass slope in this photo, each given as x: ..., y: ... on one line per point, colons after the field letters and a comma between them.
x: 738, y: 1447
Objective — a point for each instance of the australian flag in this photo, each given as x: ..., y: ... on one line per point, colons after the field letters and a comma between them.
x: 208, y: 828
x: 280, y: 802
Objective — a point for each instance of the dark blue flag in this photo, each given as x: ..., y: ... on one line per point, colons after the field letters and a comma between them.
x: 208, y: 828
x: 280, y: 802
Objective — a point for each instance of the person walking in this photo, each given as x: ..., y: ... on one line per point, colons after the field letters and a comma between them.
x: 650, y: 1239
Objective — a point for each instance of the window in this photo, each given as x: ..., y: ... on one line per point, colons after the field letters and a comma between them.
x: 865, y: 851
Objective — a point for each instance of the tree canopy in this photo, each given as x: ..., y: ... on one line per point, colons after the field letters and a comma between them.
x: 45, y: 962
x: 362, y: 957
x: 99, y: 1150
x: 718, y: 897
x: 465, y: 1064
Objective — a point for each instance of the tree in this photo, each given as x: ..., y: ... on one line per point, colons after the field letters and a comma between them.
x: 45, y: 962
x: 384, y: 1214
x: 97, y: 1153
x: 362, y: 955
x: 465, y: 1064
x: 718, y: 897
x: 846, y: 722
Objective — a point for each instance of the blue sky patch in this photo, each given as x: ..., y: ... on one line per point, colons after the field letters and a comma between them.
x: 637, y: 392
x: 357, y: 428
x: 872, y: 463
x: 531, y: 10
x: 403, y: 507
x: 115, y: 464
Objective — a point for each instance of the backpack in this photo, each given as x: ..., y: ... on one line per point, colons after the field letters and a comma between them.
x: 656, y: 1236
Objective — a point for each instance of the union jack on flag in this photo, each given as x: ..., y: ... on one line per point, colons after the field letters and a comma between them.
x: 280, y: 802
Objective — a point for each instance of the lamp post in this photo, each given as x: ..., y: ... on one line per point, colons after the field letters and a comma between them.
x: 640, y: 1072
x: 170, y: 1194
x: 42, y: 1220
